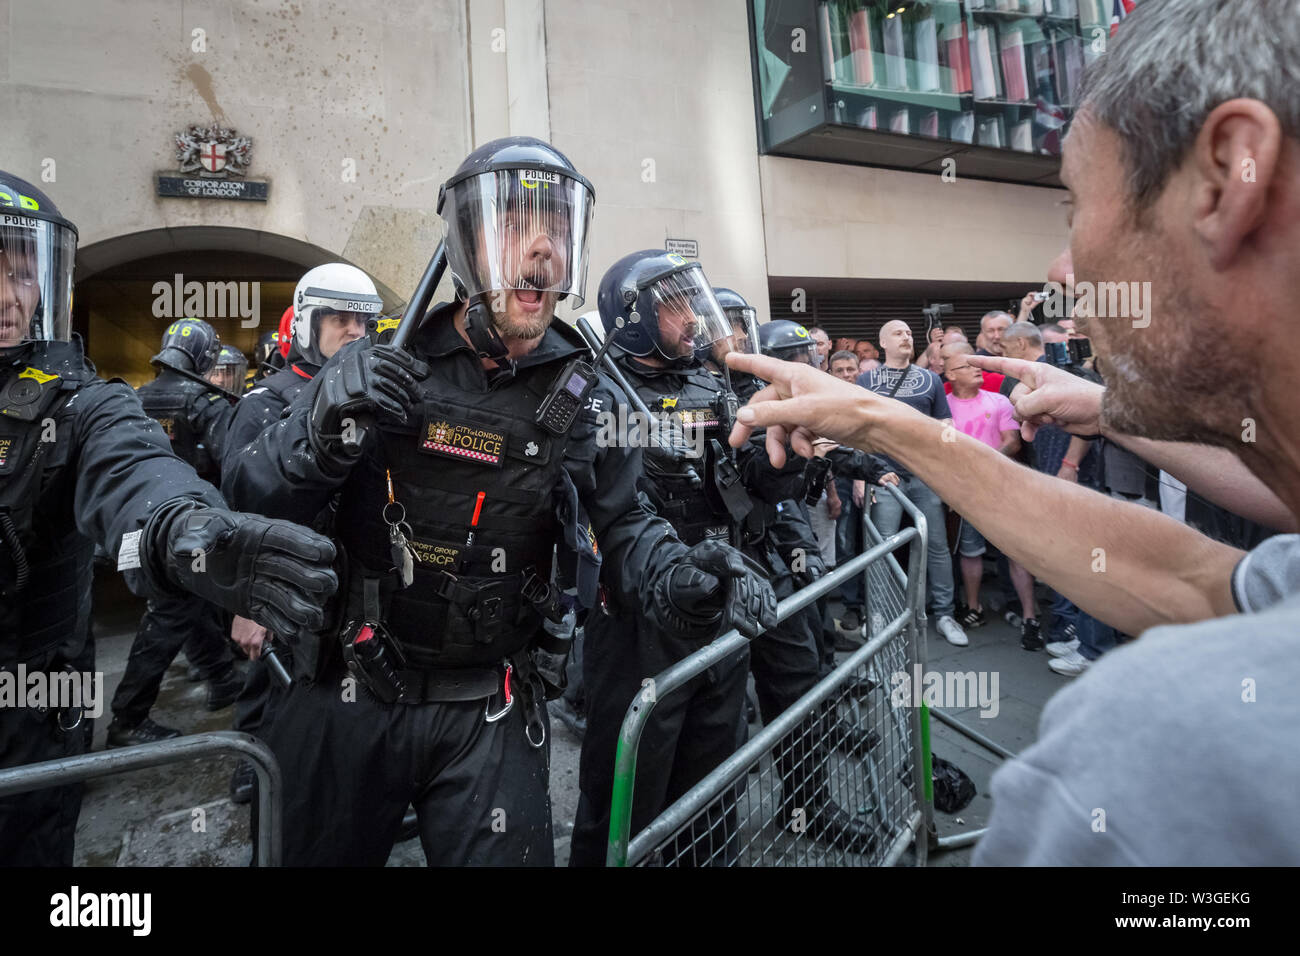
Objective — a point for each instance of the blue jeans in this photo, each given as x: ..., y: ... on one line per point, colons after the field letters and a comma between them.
x: 1063, y: 613
x: 1095, y: 638
x: 887, y: 515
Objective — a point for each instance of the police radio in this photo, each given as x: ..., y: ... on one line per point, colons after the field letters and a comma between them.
x: 568, y: 393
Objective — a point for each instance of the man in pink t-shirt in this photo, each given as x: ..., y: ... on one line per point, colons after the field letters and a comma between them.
x: 986, y: 417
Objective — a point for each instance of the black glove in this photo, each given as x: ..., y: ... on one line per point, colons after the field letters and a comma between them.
x: 275, y: 572
x: 695, y: 597
x: 369, y: 379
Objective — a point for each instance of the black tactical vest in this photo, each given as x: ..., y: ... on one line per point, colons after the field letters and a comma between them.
x: 39, y: 541
x: 697, y: 400
x: 465, y: 607
x: 168, y: 400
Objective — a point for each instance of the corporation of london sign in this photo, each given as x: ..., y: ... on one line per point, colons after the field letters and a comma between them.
x: 212, y: 161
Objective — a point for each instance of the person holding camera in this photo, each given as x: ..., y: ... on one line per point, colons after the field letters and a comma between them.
x: 1185, y: 738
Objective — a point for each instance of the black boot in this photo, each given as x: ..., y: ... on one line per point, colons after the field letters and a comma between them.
x: 224, y: 690
x: 145, y: 732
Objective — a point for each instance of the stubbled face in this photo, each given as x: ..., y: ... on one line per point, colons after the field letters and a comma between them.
x: 865, y: 350
x: 677, y: 329
x: 534, y: 256
x: 337, y: 329
x: 19, y: 294
x: 1143, y: 367
x: 846, y: 369
x: 993, y: 329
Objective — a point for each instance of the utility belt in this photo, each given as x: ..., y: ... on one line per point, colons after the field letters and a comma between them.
x: 376, y: 661
x: 503, y: 616
x: 67, y: 718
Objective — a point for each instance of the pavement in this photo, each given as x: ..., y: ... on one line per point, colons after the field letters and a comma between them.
x: 181, y: 814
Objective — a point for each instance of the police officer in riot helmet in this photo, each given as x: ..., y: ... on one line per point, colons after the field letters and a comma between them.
x: 82, y: 465
x: 743, y: 338
x: 331, y: 304
x: 194, y: 413
x: 789, y: 341
x: 230, y: 371
x: 452, y: 494
x: 663, y: 316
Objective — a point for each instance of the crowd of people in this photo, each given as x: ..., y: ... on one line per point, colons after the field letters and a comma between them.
x: 403, y: 527
x: 938, y: 379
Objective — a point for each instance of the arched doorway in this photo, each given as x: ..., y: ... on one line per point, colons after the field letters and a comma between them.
x: 130, y: 288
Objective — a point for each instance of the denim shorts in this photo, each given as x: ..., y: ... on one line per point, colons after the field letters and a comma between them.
x: 971, y: 543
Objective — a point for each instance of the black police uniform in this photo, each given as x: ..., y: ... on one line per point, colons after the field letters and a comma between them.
x: 195, y: 418
x: 695, y: 728
x: 480, y: 786
x: 261, y: 408
x: 103, y: 475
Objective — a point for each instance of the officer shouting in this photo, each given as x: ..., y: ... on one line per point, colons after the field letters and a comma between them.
x: 81, y: 465
x: 460, y: 466
x: 195, y: 415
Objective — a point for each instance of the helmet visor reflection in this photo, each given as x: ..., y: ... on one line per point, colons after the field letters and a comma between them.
x: 519, y: 229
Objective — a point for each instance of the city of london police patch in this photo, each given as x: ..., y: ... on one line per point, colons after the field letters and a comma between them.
x: 464, y: 441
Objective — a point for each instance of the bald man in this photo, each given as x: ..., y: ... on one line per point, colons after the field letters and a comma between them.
x: 899, y: 379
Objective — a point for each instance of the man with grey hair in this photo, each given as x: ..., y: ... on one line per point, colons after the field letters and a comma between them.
x: 1183, y: 165
x: 992, y: 325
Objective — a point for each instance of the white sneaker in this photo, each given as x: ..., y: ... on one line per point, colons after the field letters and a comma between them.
x: 951, y: 631
x: 1062, y: 648
x: 1069, y: 665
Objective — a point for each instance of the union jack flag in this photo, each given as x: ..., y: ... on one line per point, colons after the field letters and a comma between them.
x: 1118, y: 11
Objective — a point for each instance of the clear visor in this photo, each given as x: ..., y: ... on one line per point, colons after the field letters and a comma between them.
x: 229, y: 372
x: 689, y: 317
x: 807, y: 354
x: 36, y: 262
x: 743, y: 336
x: 519, y: 229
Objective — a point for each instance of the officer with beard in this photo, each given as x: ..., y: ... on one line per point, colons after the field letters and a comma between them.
x: 458, y: 470
x: 195, y: 414
x: 332, y: 304
x: 82, y: 465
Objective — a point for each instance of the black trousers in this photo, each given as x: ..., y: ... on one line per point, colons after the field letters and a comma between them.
x: 352, y: 765
x: 37, y: 827
x: 786, y: 661
x: 690, y: 730
x: 260, y: 697
x: 167, y: 625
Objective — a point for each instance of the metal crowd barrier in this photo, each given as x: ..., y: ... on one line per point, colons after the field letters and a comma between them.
x: 841, y: 745
x: 55, y: 773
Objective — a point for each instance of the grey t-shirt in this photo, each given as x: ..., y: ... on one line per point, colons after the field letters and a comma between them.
x: 1179, y: 749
